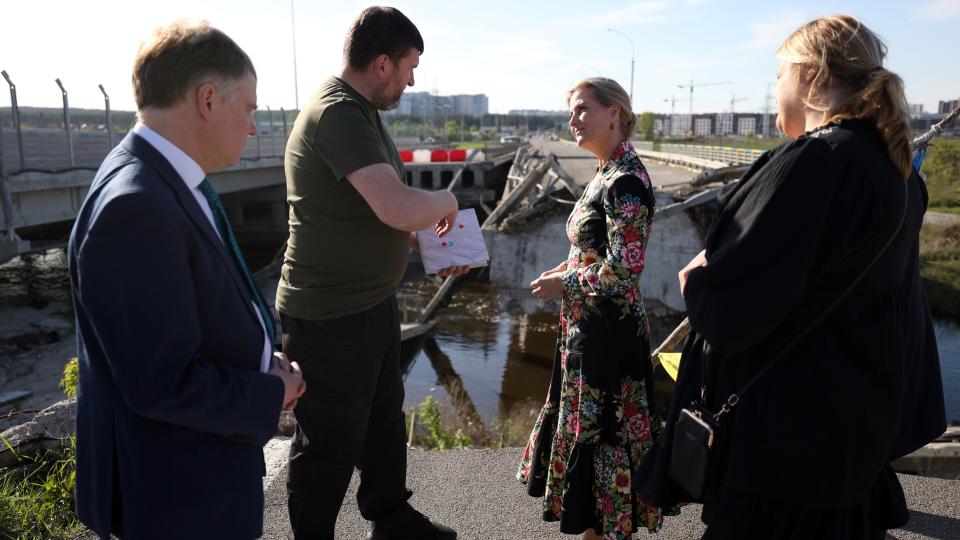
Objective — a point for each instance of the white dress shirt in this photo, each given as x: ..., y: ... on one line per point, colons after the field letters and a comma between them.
x: 192, y: 176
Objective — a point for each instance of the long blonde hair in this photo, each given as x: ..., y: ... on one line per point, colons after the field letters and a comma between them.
x: 608, y: 93
x: 848, y: 59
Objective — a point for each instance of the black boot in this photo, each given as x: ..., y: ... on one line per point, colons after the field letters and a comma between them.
x: 412, y: 526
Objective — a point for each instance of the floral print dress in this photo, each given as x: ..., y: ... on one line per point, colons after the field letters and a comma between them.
x: 596, y: 423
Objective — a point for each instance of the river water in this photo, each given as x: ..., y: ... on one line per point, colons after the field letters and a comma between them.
x: 504, y: 355
x: 488, y: 359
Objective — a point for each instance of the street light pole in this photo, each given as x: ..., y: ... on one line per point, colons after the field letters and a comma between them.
x: 632, y: 55
x: 293, y: 34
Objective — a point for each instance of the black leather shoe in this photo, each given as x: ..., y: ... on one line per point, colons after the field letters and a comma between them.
x: 415, y: 526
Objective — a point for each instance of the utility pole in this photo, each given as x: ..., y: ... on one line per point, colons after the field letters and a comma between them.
x: 293, y: 33
x: 733, y: 100
x: 668, y: 126
x: 766, y: 110
x: 726, y: 121
x: 632, y: 57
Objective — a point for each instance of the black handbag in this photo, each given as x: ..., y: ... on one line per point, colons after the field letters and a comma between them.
x: 697, y: 458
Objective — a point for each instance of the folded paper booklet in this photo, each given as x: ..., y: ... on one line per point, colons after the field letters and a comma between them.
x: 462, y: 246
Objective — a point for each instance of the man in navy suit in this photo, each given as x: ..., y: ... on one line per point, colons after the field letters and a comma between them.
x: 179, y: 385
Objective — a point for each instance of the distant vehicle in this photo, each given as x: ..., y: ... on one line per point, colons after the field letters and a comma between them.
x: 511, y: 139
x: 554, y: 137
x: 429, y: 140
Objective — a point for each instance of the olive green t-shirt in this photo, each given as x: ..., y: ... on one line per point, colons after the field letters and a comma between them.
x: 340, y: 258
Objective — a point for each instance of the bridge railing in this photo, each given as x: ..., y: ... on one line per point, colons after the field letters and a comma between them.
x: 725, y: 154
x: 722, y: 154
x: 643, y: 145
x: 74, y: 145
x: 45, y: 150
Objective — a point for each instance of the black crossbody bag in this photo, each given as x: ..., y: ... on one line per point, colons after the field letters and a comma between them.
x: 697, y: 457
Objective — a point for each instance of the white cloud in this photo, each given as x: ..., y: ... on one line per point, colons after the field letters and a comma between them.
x: 640, y: 12
x: 768, y: 35
x: 938, y: 10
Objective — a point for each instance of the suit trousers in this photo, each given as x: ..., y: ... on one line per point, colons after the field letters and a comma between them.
x: 351, y: 416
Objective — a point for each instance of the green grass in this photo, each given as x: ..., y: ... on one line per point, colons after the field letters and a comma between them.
x: 474, y: 144
x: 940, y: 269
x: 942, y: 168
x: 765, y: 143
x: 36, y: 494
x: 939, y: 244
x: 439, y: 428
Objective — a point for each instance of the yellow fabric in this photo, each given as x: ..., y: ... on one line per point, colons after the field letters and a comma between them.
x: 671, y: 363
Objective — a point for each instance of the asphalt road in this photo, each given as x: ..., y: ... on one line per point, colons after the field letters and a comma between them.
x: 581, y: 165
x: 474, y: 491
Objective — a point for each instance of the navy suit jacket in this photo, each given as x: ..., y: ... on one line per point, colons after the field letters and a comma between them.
x: 172, y: 408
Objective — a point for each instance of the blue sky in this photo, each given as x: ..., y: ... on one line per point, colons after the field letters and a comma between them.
x: 522, y: 54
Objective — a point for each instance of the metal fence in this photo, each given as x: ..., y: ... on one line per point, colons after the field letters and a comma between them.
x: 73, y: 147
x: 733, y: 156
x: 723, y: 154
x: 643, y: 145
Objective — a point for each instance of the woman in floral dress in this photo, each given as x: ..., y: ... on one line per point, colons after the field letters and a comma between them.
x: 597, y: 421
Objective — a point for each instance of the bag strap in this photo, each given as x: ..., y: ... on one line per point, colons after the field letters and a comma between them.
x: 735, y: 397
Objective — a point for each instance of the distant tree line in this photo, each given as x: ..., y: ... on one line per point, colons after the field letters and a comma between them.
x: 469, y: 128
x: 80, y: 119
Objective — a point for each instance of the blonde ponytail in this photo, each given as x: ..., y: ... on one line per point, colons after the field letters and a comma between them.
x: 848, y: 60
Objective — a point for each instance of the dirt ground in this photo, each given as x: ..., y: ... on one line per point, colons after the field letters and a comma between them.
x: 35, y: 345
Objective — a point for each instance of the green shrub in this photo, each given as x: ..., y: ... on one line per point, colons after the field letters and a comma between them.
x: 437, y: 435
x: 70, y: 378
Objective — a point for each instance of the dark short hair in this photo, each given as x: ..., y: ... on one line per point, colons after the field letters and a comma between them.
x: 380, y: 30
x: 181, y: 56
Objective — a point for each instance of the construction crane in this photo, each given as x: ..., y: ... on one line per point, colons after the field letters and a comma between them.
x: 693, y: 85
x: 733, y: 100
x: 673, y: 104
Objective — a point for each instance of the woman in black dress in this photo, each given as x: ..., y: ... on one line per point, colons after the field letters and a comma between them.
x: 596, y: 423
x: 809, y: 446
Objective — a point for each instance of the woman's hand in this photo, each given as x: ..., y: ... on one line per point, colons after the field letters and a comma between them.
x: 562, y: 267
x: 696, y: 262
x: 548, y: 285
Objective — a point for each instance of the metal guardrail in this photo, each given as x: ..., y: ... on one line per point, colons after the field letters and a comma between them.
x: 723, y: 154
x: 682, y: 160
x: 704, y: 157
x: 45, y: 151
x: 642, y: 145
x: 84, y: 150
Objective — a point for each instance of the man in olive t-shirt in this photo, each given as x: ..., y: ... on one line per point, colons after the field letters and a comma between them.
x: 352, y: 220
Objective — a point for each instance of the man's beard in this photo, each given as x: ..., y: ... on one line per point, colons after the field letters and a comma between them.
x: 384, y: 101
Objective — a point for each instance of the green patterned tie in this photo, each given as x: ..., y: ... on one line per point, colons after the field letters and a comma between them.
x: 226, y: 232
